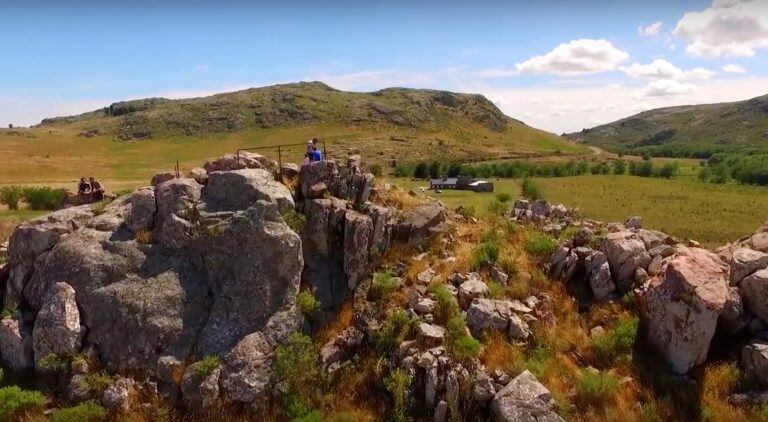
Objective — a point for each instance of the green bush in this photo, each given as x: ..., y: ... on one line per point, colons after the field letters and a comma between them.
x: 540, y: 244
x: 11, y: 195
x: 503, y: 197
x: 531, y: 189
x: 615, y: 343
x: 619, y: 167
x: 421, y: 171
x: 298, y: 369
x: 295, y: 220
x: 393, y: 332
x: 383, y: 284
x: 461, y: 345
x: 55, y: 363
x: 497, y: 208
x: 98, y: 381
x: 15, y: 402
x: 43, y: 198
x: 88, y: 411
x: 207, y: 365
x: 376, y: 169
x: 403, y: 171
x: 495, y: 290
x: 595, y: 389
x: 466, y: 211
x: 307, y: 303
x: 447, y: 306
x: 398, y: 383
x: 486, y: 253
x: 100, y: 207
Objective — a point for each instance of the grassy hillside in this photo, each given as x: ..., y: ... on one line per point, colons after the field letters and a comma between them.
x: 133, y: 140
x: 687, y: 130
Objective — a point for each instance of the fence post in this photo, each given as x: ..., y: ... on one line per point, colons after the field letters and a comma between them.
x: 177, y: 169
x: 325, y: 152
x: 280, y: 161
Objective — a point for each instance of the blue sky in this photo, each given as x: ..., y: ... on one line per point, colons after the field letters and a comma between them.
x: 614, y: 58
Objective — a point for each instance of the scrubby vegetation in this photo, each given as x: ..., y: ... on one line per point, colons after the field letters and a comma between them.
x: 43, y: 198
x: 88, y: 411
x: 295, y: 220
x: 11, y: 195
x: 15, y: 403
x: 307, y: 303
x: 207, y: 365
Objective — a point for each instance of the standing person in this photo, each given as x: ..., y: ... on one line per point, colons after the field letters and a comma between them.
x: 83, y: 188
x: 311, y: 144
x: 97, y: 190
x: 307, y: 159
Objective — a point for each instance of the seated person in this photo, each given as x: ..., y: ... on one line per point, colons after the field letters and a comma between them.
x: 316, y: 154
x: 307, y: 159
x: 83, y: 188
x: 97, y: 189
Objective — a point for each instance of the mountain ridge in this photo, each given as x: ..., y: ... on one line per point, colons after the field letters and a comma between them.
x: 687, y: 130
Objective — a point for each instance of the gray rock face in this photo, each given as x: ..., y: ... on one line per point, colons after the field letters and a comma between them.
x: 745, y: 262
x: 15, y: 345
x: 754, y: 359
x: 635, y: 222
x: 57, y: 327
x: 540, y: 208
x: 117, y: 398
x: 199, y: 174
x: 245, y: 160
x: 524, y: 399
x: 200, y: 389
x: 239, y: 189
x: 599, y: 275
x: 483, y: 389
x: 759, y: 241
x: 755, y: 293
x: 495, y: 315
x: 161, y: 178
x: 358, y: 233
x: 621, y: 249
x: 177, y: 202
x: 245, y: 376
x: 323, y: 238
x: 142, y: 213
x: 422, y: 223
x: 473, y: 288
x: 682, y: 307
x: 734, y: 317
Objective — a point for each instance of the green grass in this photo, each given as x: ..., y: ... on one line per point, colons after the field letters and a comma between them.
x: 15, y: 403
x: 20, y: 215
x: 682, y: 207
x: 88, y: 411
x: 207, y: 365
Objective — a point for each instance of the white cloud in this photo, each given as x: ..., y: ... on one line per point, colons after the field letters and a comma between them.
x: 578, y: 57
x: 652, y: 30
x: 665, y: 88
x: 727, y: 28
x: 734, y: 68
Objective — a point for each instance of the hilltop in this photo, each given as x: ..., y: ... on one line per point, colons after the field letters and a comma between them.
x: 135, y: 139
x: 697, y: 131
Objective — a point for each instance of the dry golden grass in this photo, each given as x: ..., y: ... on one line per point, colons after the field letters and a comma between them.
x: 344, y: 319
x: 6, y: 229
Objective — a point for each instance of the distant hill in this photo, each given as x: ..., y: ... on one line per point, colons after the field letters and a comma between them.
x: 289, y: 105
x: 696, y: 131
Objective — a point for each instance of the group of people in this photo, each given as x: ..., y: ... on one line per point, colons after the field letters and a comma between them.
x: 313, y: 152
x: 91, y: 187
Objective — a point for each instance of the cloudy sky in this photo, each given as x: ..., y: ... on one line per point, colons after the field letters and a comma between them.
x: 560, y: 65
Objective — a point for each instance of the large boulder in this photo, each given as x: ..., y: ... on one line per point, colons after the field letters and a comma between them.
x: 422, y: 223
x: 524, y: 399
x: 745, y: 262
x: 323, y: 238
x: 759, y: 241
x: 245, y: 376
x: 499, y: 316
x: 754, y: 359
x: 15, y: 345
x: 200, y: 387
x: 175, y: 219
x: 358, y: 233
x: 680, y: 309
x: 620, y: 249
x: 143, y: 207
x: 755, y: 293
x: 242, y: 160
x: 599, y: 275
x: 57, y: 329
x: 473, y: 288
x: 239, y: 189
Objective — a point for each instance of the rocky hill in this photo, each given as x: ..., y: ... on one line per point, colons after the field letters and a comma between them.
x: 686, y: 130
x: 287, y: 105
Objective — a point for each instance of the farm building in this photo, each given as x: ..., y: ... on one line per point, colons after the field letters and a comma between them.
x: 461, y: 183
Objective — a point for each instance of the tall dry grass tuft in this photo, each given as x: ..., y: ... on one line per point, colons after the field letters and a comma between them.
x: 344, y: 318
x: 143, y: 237
x: 6, y: 229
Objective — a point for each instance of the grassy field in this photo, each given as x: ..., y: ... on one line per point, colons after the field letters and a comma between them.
x: 682, y: 207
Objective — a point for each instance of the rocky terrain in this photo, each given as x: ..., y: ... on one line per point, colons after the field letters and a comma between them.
x: 698, y: 130
x: 325, y: 295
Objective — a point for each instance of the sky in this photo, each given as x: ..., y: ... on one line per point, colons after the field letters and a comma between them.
x: 559, y: 65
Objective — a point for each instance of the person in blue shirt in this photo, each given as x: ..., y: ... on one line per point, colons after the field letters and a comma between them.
x: 316, y: 154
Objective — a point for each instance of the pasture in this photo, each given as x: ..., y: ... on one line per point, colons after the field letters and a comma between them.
x: 683, y: 207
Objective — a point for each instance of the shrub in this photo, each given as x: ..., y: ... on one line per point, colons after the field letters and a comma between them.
x: 540, y: 244
x: 383, y: 283
x: 295, y: 220
x: 595, y: 389
x: 55, y: 363
x: 495, y: 290
x: 454, y: 169
x: 497, y: 208
x: 486, y: 253
x: 434, y: 170
x: 447, y: 305
x: 207, y: 365
x: 403, y: 171
x: 531, y: 189
x: 98, y: 381
x: 88, y: 411
x: 307, y: 302
x: 11, y: 195
x: 667, y: 170
x: 297, y: 367
x: 376, y: 169
x: 397, y: 383
x: 466, y: 211
x: 421, y: 171
x: 100, y: 207
x: 616, y: 342
x: 43, y: 198
x: 619, y: 167
x: 15, y: 402
x: 503, y: 197
x: 461, y: 345
x: 392, y: 332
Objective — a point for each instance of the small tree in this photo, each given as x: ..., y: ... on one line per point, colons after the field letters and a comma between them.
x: 11, y: 195
x: 434, y: 170
x: 421, y: 171
x: 454, y: 169
x: 530, y: 189
x: 619, y: 167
